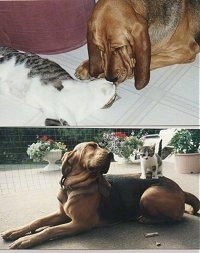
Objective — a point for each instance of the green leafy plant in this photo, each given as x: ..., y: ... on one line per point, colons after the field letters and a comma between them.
x: 119, y: 143
x: 186, y: 141
x: 36, y: 151
x: 131, y: 145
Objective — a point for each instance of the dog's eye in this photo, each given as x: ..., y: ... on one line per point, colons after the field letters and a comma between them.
x: 116, y: 50
x: 119, y: 49
x: 100, y: 48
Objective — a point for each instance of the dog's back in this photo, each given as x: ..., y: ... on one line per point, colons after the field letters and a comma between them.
x: 123, y: 202
x: 164, y: 16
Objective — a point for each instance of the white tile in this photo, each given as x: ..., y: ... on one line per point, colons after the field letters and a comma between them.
x: 13, y: 113
x: 164, y: 115
x: 188, y: 85
x: 114, y: 114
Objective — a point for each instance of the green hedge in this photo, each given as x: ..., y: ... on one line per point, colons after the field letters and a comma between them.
x: 14, y: 141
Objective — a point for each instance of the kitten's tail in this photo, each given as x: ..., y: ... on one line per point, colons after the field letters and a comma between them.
x: 193, y: 201
x: 160, y: 148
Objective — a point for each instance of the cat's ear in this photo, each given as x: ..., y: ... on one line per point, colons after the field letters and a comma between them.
x: 153, y: 146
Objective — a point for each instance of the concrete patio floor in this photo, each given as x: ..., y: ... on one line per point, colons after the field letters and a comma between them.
x: 27, y: 192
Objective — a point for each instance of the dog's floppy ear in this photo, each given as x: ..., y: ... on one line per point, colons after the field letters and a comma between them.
x: 141, y: 48
x: 66, y: 165
x: 95, y: 66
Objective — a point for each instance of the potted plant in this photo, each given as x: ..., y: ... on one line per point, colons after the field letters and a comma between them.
x: 185, y: 144
x: 48, y: 150
x: 131, y: 148
x: 122, y: 146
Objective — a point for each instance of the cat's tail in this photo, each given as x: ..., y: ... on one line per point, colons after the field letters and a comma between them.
x: 160, y: 148
x: 193, y: 201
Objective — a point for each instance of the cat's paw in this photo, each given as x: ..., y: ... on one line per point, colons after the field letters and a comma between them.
x: 55, y: 122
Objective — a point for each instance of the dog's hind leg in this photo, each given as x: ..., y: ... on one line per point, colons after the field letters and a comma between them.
x: 159, y: 204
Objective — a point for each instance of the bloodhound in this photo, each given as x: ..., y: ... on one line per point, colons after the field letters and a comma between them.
x: 89, y: 199
x: 128, y: 38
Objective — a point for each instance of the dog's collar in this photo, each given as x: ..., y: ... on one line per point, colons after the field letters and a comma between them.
x: 66, y: 187
x: 69, y: 189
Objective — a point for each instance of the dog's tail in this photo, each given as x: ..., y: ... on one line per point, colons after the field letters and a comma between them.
x: 193, y: 201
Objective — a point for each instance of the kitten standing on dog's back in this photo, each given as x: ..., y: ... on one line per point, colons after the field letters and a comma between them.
x: 150, y: 162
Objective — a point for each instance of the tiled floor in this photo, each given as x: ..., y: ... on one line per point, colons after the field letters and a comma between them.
x: 171, y: 98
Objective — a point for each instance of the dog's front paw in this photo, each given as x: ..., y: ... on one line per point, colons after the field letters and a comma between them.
x: 82, y: 71
x: 13, y: 234
x: 22, y: 243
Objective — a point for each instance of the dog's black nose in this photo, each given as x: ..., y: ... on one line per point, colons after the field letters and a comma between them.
x: 111, y: 79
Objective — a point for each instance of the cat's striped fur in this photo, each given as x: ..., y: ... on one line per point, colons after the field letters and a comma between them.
x: 33, y: 80
x: 48, y: 71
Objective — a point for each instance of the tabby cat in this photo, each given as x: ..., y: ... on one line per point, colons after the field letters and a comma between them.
x: 46, y: 85
x: 150, y: 162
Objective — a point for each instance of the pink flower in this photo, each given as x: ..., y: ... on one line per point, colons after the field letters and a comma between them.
x: 120, y: 135
x: 44, y: 138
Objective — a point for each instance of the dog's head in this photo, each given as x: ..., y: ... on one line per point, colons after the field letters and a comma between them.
x: 119, y: 43
x: 86, y: 160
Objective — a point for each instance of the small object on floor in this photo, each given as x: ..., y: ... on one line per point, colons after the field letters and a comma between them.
x: 158, y: 244
x: 151, y: 234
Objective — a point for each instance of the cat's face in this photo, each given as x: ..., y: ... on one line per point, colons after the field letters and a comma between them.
x: 147, y: 151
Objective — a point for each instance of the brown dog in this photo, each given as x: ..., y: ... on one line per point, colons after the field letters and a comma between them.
x: 128, y: 38
x: 88, y: 199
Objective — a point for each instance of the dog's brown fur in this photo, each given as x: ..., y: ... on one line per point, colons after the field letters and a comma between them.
x: 127, y: 38
x: 88, y: 199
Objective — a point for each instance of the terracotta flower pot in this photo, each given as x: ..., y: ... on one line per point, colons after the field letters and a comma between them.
x: 187, y: 163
